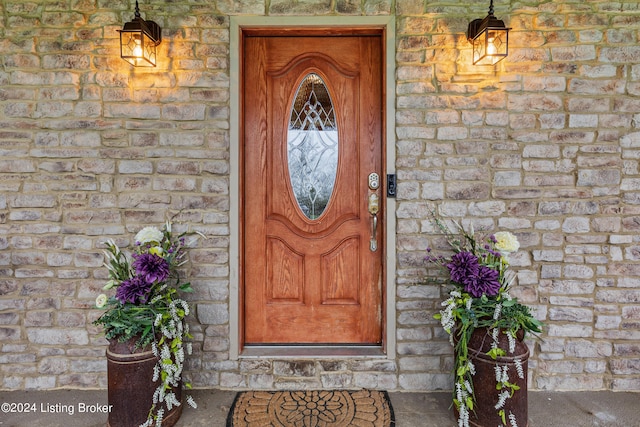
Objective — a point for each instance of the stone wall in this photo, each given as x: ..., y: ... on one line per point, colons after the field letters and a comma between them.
x: 545, y: 145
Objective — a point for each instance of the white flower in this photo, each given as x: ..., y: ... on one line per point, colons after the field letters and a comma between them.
x: 512, y: 342
x: 512, y: 420
x: 165, y: 353
x: 148, y: 235
x: 494, y: 337
x: 506, y: 242
x: 168, y: 400
x: 185, y: 306
x: 160, y: 415
x: 156, y: 373
x: 101, y: 300
x: 502, y: 398
x: 191, y: 402
x: 505, y: 374
x: 502, y: 374
x: 447, y: 321
x: 460, y: 393
x: 519, y: 368
x: 158, y: 320
x: 497, y: 311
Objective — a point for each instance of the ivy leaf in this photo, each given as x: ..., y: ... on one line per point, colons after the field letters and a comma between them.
x: 495, y: 352
x: 470, y: 403
x: 186, y: 287
x: 503, y: 416
x: 509, y: 302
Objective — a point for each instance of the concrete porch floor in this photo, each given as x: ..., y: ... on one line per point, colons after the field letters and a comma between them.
x: 546, y: 409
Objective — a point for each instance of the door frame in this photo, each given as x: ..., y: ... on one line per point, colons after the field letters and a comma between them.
x: 239, y: 24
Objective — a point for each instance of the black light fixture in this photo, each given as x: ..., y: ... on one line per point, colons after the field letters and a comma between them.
x: 490, y: 39
x: 138, y: 41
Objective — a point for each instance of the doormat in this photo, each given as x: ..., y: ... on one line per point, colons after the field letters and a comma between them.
x: 325, y: 408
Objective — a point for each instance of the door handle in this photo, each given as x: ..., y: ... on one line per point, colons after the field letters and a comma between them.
x: 374, y: 207
x: 373, y: 243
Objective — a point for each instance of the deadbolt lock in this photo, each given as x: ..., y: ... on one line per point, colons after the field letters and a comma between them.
x: 374, y: 181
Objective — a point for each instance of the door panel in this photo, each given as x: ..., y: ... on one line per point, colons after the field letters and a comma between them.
x: 311, y: 279
x: 340, y: 283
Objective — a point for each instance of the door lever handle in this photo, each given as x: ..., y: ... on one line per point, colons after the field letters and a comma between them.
x: 373, y: 243
x: 374, y: 207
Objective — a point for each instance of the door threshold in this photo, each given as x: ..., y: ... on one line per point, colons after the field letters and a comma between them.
x: 312, y: 351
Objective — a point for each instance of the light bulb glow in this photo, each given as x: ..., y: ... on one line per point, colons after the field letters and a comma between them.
x: 137, y: 48
x: 491, y: 47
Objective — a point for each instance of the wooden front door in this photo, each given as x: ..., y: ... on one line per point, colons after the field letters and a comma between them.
x: 312, y: 135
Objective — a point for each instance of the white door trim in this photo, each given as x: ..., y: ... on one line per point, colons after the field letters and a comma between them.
x: 236, y: 24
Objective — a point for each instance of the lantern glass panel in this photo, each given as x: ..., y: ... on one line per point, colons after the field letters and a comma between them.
x: 137, y: 48
x: 490, y: 46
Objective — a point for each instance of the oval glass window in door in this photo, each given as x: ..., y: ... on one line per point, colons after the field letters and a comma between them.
x: 312, y: 146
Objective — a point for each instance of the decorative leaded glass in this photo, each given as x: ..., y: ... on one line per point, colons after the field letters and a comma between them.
x: 312, y: 146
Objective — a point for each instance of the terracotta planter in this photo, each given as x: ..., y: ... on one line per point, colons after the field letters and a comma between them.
x: 484, y: 380
x: 130, y: 374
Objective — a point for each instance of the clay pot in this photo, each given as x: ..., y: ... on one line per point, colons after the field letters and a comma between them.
x: 130, y: 386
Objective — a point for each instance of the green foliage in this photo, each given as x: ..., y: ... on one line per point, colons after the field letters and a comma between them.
x: 127, y: 321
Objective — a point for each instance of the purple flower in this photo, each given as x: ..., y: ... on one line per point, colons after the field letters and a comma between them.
x: 462, y: 266
x: 486, y: 281
x: 465, y: 269
x: 133, y: 290
x: 151, y: 267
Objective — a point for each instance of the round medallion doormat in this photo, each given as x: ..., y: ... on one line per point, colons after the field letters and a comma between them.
x: 326, y: 408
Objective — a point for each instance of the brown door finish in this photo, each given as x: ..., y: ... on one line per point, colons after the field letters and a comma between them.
x: 311, y: 273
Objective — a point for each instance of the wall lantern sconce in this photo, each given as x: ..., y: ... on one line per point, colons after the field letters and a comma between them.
x: 138, y: 41
x: 490, y: 39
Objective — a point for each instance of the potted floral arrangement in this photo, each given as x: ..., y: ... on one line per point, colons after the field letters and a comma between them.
x: 486, y: 326
x: 145, y: 323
